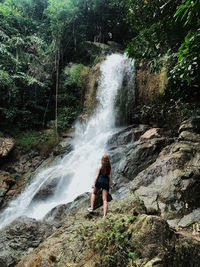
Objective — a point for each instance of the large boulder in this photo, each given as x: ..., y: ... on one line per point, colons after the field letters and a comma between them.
x: 6, y: 145
x: 150, y: 84
x: 58, y: 214
x: 192, y: 124
x: 21, y: 236
x: 171, y: 184
x: 124, y: 238
x: 132, y: 150
x: 7, y: 181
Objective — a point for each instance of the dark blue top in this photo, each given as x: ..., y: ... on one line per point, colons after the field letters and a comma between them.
x: 103, y: 178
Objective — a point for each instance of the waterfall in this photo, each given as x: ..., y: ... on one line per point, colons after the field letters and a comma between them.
x: 76, y: 170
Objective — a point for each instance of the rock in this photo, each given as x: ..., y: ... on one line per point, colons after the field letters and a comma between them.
x: 66, y: 142
x: 6, y: 145
x: 97, y: 48
x: 164, y: 178
x: 3, y: 191
x: 17, y: 238
x: 189, y: 136
x: 115, y: 45
x: 76, y: 243
x: 149, y: 237
x: 154, y: 241
x: 16, y: 182
x: 127, y: 135
x: 65, y: 146
x: 57, y: 214
x: 51, y: 124
x: 194, y: 216
x: 190, y: 130
x: 171, y: 184
x: 23, y: 163
x: 130, y: 154
x: 6, y: 183
x: 48, y: 187
x: 152, y: 211
x: 191, y: 125
x: 151, y: 133
x: 131, y: 204
x: 82, y: 202
x: 139, y: 156
x: 46, y: 190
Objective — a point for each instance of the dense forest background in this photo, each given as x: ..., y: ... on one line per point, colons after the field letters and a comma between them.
x: 38, y: 39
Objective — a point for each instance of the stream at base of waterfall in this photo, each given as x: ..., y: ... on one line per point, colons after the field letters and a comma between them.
x: 75, y: 172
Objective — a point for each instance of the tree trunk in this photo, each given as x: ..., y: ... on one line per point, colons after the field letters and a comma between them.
x: 57, y: 87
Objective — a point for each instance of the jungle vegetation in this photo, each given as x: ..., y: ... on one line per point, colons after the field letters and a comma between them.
x: 38, y: 39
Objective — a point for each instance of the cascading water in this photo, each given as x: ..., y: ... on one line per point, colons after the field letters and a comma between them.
x: 76, y: 171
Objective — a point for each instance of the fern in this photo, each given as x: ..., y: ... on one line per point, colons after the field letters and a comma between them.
x: 4, y: 36
x: 29, y: 80
x: 4, y: 52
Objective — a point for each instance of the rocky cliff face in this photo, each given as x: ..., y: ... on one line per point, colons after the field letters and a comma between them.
x: 6, y: 145
x: 150, y: 84
x: 171, y: 184
x: 153, y: 219
x: 127, y: 237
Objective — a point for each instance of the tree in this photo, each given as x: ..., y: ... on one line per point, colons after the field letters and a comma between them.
x: 60, y: 14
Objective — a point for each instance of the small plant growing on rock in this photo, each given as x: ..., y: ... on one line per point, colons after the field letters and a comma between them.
x: 112, y: 244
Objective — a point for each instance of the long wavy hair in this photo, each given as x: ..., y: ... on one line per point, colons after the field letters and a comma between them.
x: 106, y: 167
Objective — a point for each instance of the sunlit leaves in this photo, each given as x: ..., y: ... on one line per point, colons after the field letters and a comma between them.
x: 60, y: 12
x: 187, y: 67
x: 28, y: 80
x: 189, y: 11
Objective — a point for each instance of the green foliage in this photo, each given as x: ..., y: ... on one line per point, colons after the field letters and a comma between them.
x: 46, y: 143
x: 27, y: 139
x: 189, y: 11
x: 166, y: 113
x: 113, y: 244
x: 5, y: 79
x: 77, y: 75
x: 23, y: 87
x: 190, y: 223
x: 70, y: 99
x: 37, y: 40
x: 41, y: 141
x: 170, y: 28
x: 154, y: 26
x: 187, y: 67
x: 66, y: 117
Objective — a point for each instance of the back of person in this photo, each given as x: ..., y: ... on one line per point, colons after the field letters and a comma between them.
x: 103, y: 178
x: 102, y: 181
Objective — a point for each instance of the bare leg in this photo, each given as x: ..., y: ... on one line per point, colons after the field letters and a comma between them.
x: 93, y: 197
x: 105, y: 202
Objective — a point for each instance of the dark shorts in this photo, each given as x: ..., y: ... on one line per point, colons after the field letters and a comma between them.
x: 103, y: 186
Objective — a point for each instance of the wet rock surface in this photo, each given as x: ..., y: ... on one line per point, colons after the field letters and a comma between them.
x: 132, y: 150
x: 6, y: 145
x: 13, y: 183
x: 171, y: 184
x: 57, y: 215
x: 22, y: 164
x: 150, y: 238
x: 161, y: 174
x: 22, y: 235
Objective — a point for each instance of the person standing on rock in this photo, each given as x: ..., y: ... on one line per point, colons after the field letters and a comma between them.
x: 103, y: 180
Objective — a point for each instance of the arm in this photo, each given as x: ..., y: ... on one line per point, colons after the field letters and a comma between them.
x: 111, y: 182
x: 95, y: 179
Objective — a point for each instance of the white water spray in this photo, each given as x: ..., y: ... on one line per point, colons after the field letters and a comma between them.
x: 76, y: 171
